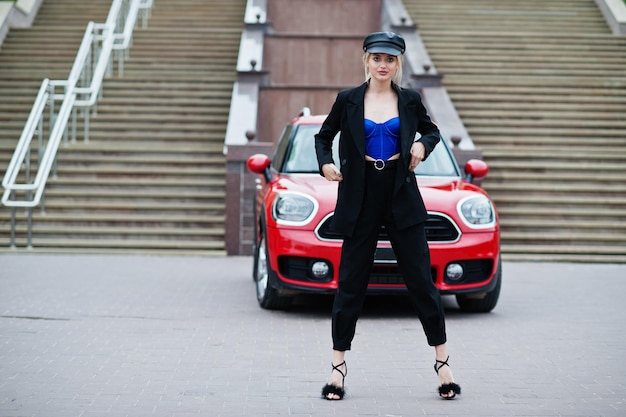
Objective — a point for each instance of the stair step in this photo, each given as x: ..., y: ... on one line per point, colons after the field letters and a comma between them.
x: 138, y: 173
x: 606, y: 205
x: 118, y: 244
x: 210, y: 146
x: 127, y: 232
x: 181, y: 183
x: 586, y: 237
x: 534, y: 225
x: 140, y: 193
x: 566, y: 249
x: 75, y: 205
x: 191, y: 252
x: 540, y: 81
x: 573, y: 150
x: 547, y: 114
x: 161, y: 219
x: 562, y: 253
x: 560, y: 256
x: 539, y: 140
x: 481, y: 128
x: 572, y: 189
x: 556, y: 166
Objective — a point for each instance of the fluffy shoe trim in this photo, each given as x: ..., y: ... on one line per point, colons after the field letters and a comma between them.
x: 446, y: 388
x: 331, y: 389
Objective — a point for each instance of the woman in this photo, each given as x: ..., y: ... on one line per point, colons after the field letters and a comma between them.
x: 378, y: 153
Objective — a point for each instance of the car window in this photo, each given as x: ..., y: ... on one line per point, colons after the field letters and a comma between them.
x: 440, y: 163
x: 301, y: 158
x: 283, y: 144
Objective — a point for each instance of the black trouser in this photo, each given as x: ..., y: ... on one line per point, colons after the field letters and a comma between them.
x: 357, y: 257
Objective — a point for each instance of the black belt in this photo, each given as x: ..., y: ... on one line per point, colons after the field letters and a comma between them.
x: 381, y: 165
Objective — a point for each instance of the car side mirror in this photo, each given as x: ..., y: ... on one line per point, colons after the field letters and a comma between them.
x: 475, y: 169
x: 260, y: 164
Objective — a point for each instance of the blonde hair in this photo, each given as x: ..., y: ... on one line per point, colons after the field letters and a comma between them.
x: 397, y: 77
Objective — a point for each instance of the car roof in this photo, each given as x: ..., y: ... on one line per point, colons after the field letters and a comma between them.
x: 317, y: 119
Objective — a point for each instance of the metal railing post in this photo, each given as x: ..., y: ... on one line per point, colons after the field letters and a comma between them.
x: 86, y: 125
x: 27, y: 167
x: 29, y: 239
x: 74, y: 123
x: 12, y: 227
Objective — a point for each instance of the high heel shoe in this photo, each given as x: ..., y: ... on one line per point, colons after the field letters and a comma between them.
x: 330, y: 389
x: 444, y: 390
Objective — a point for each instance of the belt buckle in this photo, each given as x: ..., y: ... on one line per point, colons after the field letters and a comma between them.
x: 379, y: 164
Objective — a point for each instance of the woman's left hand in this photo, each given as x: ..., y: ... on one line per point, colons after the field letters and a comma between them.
x: 417, y: 155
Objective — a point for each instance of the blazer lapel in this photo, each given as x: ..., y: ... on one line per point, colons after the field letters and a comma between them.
x: 406, y: 110
x: 355, y: 115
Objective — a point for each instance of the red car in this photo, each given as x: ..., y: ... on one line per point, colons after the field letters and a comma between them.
x: 296, y: 252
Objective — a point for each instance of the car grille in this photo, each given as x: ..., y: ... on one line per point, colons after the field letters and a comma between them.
x: 390, y: 275
x: 439, y: 228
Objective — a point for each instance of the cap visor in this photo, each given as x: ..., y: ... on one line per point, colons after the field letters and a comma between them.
x: 384, y: 50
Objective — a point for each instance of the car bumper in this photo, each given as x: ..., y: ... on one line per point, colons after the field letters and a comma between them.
x: 293, y: 252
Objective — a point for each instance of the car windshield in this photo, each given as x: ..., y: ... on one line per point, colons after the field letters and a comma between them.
x: 301, y: 156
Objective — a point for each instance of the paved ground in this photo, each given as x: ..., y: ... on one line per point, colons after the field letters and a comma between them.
x: 142, y: 336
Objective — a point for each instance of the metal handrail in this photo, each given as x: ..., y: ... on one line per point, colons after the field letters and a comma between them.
x: 22, y: 148
x: 145, y: 9
x: 81, y: 90
x: 122, y: 41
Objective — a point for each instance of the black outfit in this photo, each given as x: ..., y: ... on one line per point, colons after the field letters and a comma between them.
x: 368, y: 198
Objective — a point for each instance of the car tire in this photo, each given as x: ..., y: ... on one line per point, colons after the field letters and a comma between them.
x: 469, y: 303
x: 266, y: 295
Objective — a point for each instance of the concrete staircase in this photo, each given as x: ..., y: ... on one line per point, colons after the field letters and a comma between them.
x: 541, y: 87
x: 151, y: 178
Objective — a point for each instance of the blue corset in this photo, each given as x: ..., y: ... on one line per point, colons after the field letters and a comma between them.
x: 382, y: 140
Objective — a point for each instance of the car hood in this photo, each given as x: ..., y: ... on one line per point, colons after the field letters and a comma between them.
x: 439, y: 193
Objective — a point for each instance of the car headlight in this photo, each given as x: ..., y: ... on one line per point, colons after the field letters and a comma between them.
x: 477, y: 212
x: 294, y: 208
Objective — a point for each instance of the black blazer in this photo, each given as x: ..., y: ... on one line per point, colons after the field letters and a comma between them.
x: 347, y: 117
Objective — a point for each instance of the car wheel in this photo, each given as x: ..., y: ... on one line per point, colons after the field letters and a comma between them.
x: 266, y: 295
x: 472, y: 304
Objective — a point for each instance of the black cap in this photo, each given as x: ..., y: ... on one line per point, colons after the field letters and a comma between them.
x: 384, y: 42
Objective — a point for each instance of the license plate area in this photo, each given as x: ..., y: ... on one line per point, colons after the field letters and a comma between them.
x: 385, y: 255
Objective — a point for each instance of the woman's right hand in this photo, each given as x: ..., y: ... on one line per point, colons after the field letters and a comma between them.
x: 331, y: 172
